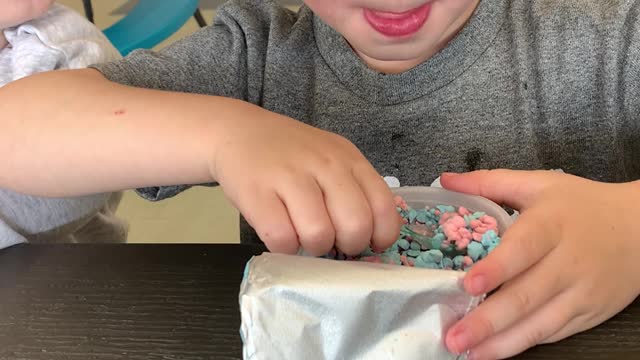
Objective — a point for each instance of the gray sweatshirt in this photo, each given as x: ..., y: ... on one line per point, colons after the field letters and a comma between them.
x: 60, y: 39
x: 526, y: 84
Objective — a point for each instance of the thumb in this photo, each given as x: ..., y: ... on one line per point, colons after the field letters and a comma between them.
x: 516, y: 189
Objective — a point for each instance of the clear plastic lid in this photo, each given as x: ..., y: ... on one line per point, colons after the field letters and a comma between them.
x: 419, y: 197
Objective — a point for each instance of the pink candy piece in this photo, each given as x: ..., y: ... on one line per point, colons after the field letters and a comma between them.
x: 405, y: 261
x: 475, y: 224
x: 489, y: 222
x: 464, y: 241
x: 446, y: 216
x: 482, y: 225
x: 463, y: 211
x: 455, y: 229
x: 467, y: 261
x: 401, y: 203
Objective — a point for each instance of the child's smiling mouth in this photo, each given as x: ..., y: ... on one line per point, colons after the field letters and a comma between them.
x: 398, y: 24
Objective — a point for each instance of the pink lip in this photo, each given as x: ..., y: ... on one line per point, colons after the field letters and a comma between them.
x: 398, y: 24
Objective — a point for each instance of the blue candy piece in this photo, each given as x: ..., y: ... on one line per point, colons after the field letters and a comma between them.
x: 458, y: 261
x: 436, y: 240
x: 412, y: 216
x: 403, y: 244
x: 413, y: 253
x: 415, y: 246
x: 420, y: 263
x: 436, y: 254
x: 445, y: 208
x: 447, y: 263
x: 477, y: 215
x: 432, y: 266
x: 422, y: 216
x: 489, y: 236
x: 432, y: 256
x: 490, y: 240
x: 475, y: 250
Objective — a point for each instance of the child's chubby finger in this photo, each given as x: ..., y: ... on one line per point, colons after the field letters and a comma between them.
x: 386, y: 220
x: 306, y: 207
x: 267, y: 214
x: 509, y: 305
x: 525, y: 243
x: 550, y: 318
x: 349, y: 210
x: 514, y: 188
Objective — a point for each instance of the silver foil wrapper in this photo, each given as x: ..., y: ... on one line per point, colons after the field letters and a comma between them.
x: 296, y: 307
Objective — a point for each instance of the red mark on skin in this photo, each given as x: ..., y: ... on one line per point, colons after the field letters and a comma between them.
x: 119, y: 112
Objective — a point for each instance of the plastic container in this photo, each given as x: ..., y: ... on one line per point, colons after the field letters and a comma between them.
x: 419, y: 197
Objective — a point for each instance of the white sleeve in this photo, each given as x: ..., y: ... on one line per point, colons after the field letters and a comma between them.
x: 78, y: 42
x: 27, y: 56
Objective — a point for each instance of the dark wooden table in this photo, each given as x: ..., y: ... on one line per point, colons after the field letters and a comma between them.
x: 83, y: 302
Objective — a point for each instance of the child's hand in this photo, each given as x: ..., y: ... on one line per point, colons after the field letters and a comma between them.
x: 567, y: 264
x: 301, y: 186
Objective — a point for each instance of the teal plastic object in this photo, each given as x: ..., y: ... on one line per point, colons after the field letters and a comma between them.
x: 149, y: 23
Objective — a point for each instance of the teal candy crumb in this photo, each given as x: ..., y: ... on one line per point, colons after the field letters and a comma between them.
x: 412, y: 216
x: 432, y: 256
x: 413, y: 253
x: 432, y: 266
x: 457, y: 261
x: 436, y: 241
x: 403, y: 244
x: 488, y: 238
x: 422, y: 216
x: 446, y: 208
x: 420, y: 263
x: 436, y: 255
x: 475, y: 250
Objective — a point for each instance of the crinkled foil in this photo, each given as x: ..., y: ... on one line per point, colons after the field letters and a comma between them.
x: 303, y: 308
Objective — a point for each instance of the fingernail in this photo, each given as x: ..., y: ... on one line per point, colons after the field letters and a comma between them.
x: 460, y: 339
x: 478, y: 284
x: 449, y: 174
